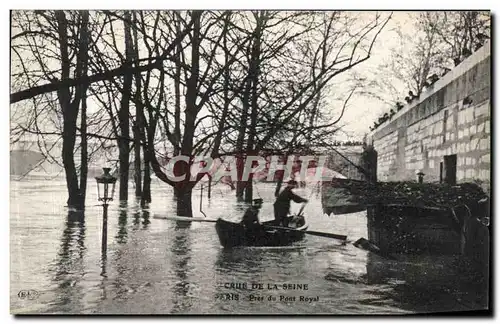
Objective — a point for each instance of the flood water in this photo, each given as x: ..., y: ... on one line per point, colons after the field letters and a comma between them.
x: 153, y: 266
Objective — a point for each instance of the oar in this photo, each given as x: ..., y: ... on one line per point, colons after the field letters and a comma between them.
x: 301, y: 209
x: 186, y: 219
x: 322, y: 234
x: 204, y: 220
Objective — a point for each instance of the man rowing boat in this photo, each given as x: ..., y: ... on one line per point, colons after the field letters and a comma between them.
x: 282, y: 204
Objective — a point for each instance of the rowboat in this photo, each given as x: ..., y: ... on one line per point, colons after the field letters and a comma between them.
x: 266, y: 234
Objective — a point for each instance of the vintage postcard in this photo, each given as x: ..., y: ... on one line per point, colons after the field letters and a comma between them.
x: 250, y: 162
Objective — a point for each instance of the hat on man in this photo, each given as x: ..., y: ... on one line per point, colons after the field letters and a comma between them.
x: 258, y: 201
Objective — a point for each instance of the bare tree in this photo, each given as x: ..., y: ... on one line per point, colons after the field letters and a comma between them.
x: 291, y: 72
x: 462, y: 32
x: 211, y: 83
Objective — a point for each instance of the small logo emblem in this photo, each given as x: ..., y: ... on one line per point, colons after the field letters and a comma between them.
x: 28, y: 294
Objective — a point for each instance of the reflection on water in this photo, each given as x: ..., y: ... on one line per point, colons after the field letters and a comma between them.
x: 121, y: 237
x: 69, y: 269
x: 426, y: 285
x: 145, y: 218
x: 181, y: 253
x: 159, y: 266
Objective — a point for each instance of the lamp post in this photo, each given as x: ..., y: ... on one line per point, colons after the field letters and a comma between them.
x: 105, y: 191
x: 420, y: 176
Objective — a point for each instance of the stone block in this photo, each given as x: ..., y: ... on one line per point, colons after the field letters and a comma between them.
x: 474, y: 143
x: 450, y: 124
x: 460, y: 134
x: 466, y: 132
x: 480, y: 128
x: 486, y: 158
x: 464, y: 117
x: 485, y: 174
x: 487, y: 127
x: 483, y: 109
x: 460, y: 174
x: 472, y: 130
x: 469, y: 115
x: 483, y: 144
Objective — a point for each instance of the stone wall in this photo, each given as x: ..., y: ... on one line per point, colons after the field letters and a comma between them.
x: 452, y: 117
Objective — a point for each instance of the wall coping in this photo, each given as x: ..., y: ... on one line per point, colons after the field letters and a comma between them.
x: 464, y: 66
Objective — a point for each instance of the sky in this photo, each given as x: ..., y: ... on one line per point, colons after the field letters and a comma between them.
x: 364, y: 110
x: 361, y: 110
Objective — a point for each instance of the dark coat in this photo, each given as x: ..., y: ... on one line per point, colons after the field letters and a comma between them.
x: 251, y: 216
x: 282, y: 203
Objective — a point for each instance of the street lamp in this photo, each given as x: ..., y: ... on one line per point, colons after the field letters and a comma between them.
x: 104, y: 182
x: 105, y: 191
x: 420, y: 176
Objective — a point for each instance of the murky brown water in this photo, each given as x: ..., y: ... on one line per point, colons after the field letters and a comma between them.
x: 154, y: 266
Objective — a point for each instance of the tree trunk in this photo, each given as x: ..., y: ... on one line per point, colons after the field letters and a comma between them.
x: 149, y: 157
x: 183, y: 189
x: 137, y: 156
x: 84, y: 42
x: 240, y: 185
x: 184, y: 202
x: 146, y: 189
x: 209, y: 191
x: 177, y: 93
x: 69, y: 135
x: 227, y: 80
x: 84, y: 151
x: 240, y: 162
x: 123, y: 115
x: 254, y: 78
x: 249, y: 189
x: 70, y: 108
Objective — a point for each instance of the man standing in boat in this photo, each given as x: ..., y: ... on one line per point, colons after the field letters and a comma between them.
x: 282, y: 204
